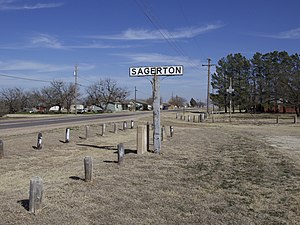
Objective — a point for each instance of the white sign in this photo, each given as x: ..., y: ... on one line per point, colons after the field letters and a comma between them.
x: 155, y: 70
x: 230, y: 90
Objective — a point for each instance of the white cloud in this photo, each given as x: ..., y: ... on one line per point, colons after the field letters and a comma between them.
x: 23, y: 65
x: 290, y: 34
x: 15, y: 5
x: 46, y: 41
x: 143, y: 34
x: 160, y: 59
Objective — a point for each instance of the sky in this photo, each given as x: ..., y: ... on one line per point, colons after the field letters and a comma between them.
x: 42, y: 40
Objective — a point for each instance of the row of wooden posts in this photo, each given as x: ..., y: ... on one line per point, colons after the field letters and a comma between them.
x: 36, y: 183
x: 195, y: 118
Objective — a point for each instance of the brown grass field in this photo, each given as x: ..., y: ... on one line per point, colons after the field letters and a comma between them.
x: 246, y: 172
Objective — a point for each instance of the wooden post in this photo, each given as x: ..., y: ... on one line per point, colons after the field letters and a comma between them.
x: 1, y: 149
x: 171, y: 131
x: 132, y: 124
x: 121, y: 153
x: 176, y: 116
x: 141, y: 139
x: 148, y: 136
x: 35, y: 194
x: 103, y: 129
x: 39, y: 144
x: 115, y: 128
x: 87, y: 132
x: 67, y: 136
x: 124, y: 125
x: 277, y: 119
x: 295, y: 119
x: 88, y: 168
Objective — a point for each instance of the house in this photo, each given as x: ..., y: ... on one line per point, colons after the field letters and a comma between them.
x: 114, y: 107
x: 139, y: 105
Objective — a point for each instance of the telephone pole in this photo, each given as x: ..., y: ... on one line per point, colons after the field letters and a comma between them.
x: 208, y: 83
x: 76, y: 77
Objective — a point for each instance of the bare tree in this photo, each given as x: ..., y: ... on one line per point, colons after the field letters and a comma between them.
x: 14, y: 99
x: 177, y: 101
x: 105, y: 91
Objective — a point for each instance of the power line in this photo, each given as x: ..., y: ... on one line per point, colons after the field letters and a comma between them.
x: 24, y: 78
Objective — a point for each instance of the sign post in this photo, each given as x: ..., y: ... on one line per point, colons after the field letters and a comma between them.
x: 156, y: 71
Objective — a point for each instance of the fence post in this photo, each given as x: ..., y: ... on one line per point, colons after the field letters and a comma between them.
x: 35, y: 194
x: 1, y: 149
x: 121, y: 153
x: 88, y: 168
x: 277, y: 119
x: 103, y: 129
x: 39, y: 144
x: 87, y: 132
x: 171, y: 131
x: 141, y: 139
x: 132, y: 124
x: 67, y: 136
x: 295, y: 119
x: 115, y: 128
x: 124, y: 125
x: 148, y: 136
x: 176, y: 116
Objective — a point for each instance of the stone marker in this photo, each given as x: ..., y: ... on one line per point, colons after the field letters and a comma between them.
x: 39, y: 144
x: 141, y: 139
x: 88, y: 168
x: 1, y: 149
x: 35, y: 194
x: 121, y: 153
x: 67, y: 136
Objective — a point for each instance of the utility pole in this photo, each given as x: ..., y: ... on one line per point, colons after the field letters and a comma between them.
x: 208, y: 83
x: 156, y: 114
x: 76, y: 77
x: 230, y: 90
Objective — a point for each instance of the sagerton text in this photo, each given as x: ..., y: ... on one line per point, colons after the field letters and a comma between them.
x: 156, y: 70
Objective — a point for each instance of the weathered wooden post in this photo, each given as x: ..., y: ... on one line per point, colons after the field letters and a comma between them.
x: 67, y: 136
x: 295, y: 119
x: 181, y: 116
x: 39, y: 144
x: 103, y: 129
x: 115, y: 128
x: 141, y: 139
x: 189, y: 118
x: 171, y: 131
x: 163, y: 133
x: 176, y: 116
x: 35, y: 194
x: 87, y: 132
x: 194, y: 119
x: 124, y: 125
x: 88, y: 168
x: 277, y: 119
x: 131, y: 124
x: 148, y: 136
x: 1, y: 149
x: 202, y: 117
x: 121, y: 153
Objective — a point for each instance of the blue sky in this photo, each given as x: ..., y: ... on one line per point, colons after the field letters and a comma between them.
x: 42, y: 40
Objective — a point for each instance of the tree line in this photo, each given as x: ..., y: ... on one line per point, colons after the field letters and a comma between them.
x: 61, y: 94
x: 265, y: 83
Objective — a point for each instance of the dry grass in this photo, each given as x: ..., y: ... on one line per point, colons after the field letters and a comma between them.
x: 207, y: 174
